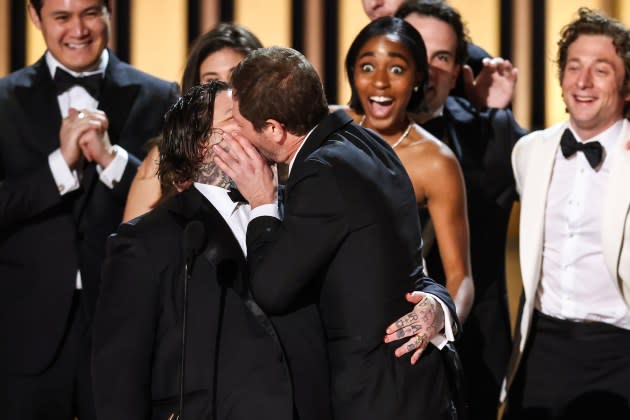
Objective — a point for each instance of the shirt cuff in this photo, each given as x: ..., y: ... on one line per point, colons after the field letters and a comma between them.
x: 440, y: 340
x: 265, y: 210
x: 66, y: 180
x: 112, y: 175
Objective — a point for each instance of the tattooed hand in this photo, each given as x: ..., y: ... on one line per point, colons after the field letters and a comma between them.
x: 422, y: 324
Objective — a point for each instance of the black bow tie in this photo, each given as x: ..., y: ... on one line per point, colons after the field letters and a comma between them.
x: 236, y: 196
x: 593, y: 150
x: 64, y: 81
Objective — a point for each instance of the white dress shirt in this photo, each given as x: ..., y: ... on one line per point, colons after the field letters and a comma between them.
x: 236, y: 215
x: 67, y: 180
x: 575, y: 283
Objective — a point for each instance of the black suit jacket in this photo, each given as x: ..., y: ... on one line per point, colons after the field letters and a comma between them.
x: 44, y: 237
x: 350, y: 242
x: 236, y: 364
x: 483, y: 142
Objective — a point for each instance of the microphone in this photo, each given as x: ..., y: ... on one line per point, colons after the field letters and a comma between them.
x: 194, y: 240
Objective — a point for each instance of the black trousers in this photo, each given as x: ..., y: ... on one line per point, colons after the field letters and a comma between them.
x: 63, y: 391
x: 572, y: 370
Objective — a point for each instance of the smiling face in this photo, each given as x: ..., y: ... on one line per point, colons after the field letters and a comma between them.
x: 592, y: 84
x: 441, y: 43
x: 75, y: 31
x: 384, y: 77
x: 219, y: 65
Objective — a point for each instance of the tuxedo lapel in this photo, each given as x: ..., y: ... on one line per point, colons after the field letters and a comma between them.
x: 117, y: 98
x: 221, y: 244
x: 533, y: 204
x: 324, y: 129
x: 38, y: 99
x: 617, y: 203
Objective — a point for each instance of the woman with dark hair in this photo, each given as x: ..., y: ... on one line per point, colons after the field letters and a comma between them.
x: 387, y: 69
x: 213, y: 56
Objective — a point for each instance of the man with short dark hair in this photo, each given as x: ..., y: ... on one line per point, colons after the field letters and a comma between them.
x: 481, y: 76
x: 570, y: 357
x: 71, y: 128
x: 349, y: 242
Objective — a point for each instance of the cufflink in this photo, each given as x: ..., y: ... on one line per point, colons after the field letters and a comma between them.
x: 61, y: 187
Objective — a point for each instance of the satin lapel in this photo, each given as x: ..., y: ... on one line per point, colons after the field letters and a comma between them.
x: 533, y: 204
x: 324, y: 129
x: 222, y: 251
x: 221, y: 245
x: 118, y: 97
x: 617, y: 203
x: 36, y: 95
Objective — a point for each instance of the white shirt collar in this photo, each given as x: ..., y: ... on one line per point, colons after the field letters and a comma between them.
x: 608, y: 138
x: 298, y: 150
x: 53, y: 63
x: 219, y: 198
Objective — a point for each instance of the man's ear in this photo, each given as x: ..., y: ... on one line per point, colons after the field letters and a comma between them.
x: 34, y: 16
x: 275, y: 131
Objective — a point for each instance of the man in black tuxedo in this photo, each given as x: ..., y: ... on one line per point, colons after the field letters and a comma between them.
x: 482, y: 141
x: 481, y: 74
x: 239, y: 363
x: 349, y: 242
x: 68, y: 148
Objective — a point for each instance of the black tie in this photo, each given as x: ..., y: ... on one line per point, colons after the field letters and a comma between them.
x: 64, y: 81
x: 593, y: 150
x: 236, y: 196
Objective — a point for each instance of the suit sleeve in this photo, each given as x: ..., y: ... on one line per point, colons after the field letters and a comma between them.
x: 124, y: 331
x: 428, y: 285
x: 286, y: 257
x: 24, y: 197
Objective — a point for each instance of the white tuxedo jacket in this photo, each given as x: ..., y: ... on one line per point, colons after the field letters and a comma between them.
x: 532, y: 160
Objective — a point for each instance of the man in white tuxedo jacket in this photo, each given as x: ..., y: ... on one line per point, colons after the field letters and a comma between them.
x: 573, y: 333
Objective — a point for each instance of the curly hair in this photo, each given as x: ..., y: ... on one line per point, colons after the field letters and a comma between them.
x: 185, y: 133
x: 590, y: 22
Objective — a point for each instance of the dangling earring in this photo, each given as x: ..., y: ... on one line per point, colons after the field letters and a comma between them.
x: 416, y: 88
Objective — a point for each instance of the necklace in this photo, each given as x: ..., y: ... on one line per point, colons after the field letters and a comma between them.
x: 400, y: 139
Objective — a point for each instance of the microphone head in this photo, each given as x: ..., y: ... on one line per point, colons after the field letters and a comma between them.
x: 194, y: 238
